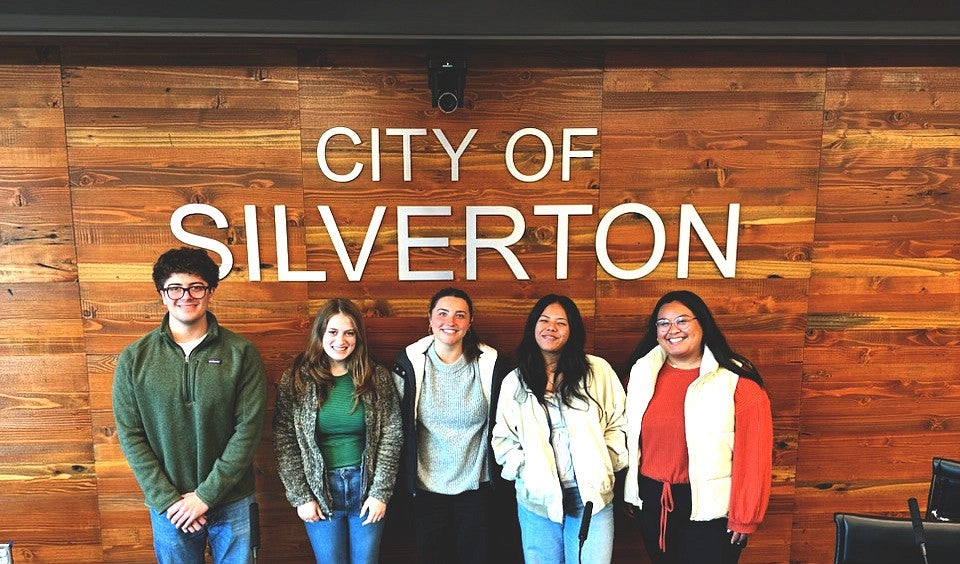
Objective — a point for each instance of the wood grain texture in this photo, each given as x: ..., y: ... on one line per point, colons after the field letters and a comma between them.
x: 712, y: 135
x: 881, y: 357
x: 846, y: 293
x: 47, y: 463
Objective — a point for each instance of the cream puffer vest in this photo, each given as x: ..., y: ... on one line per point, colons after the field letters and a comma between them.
x: 709, y: 413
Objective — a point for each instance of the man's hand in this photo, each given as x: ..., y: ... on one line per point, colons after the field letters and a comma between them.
x: 188, y: 514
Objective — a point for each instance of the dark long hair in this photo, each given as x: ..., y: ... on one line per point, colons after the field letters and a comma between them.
x: 712, y: 336
x: 573, y: 364
x: 471, y: 341
x: 313, y: 364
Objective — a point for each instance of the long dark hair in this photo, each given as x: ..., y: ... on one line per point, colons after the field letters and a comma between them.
x: 712, y: 336
x: 471, y: 341
x: 313, y: 364
x: 573, y: 364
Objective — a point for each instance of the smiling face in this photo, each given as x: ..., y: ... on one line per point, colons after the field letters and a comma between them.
x: 186, y: 312
x: 339, y: 340
x: 552, y: 330
x: 450, y: 320
x: 685, y: 347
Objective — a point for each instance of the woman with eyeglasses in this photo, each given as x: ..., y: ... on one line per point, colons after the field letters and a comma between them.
x: 337, y: 438
x: 700, y: 438
x: 560, y: 436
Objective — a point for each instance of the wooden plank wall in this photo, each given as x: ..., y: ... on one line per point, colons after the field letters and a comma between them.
x: 847, y: 291
x: 696, y: 129
x: 48, y: 479
x: 148, y: 131
x: 880, y: 393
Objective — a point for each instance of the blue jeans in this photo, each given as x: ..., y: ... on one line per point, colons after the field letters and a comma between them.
x: 340, y: 538
x: 546, y: 542
x: 227, y: 530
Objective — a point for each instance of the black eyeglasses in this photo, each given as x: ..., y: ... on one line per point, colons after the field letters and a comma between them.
x: 177, y: 292
x: 682, y: 322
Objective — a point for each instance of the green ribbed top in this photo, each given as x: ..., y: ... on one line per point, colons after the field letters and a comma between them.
x: 340, y: 429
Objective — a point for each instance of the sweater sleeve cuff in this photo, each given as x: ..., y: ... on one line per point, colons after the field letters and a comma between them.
x: 742, y: 527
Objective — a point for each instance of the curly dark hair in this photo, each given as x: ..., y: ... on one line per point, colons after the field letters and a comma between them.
x: 185, y: 260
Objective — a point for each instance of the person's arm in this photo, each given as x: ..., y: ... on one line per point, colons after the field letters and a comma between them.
x: 752, y: 458
x: 160, y: 493
x: 249, y: 410
x: 614, y: 401
x: 506, y: 439
x: 286, y: 449
x: 391, y: 439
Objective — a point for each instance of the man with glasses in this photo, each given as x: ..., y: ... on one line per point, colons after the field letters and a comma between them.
x: 189, y: 400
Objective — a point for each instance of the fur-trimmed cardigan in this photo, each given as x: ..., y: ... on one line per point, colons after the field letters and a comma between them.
x: 299, y: 461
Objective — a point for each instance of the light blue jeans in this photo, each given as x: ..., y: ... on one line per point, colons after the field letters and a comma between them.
x: 340, y: 538
x: 546, y: 542
x: 227, y: 530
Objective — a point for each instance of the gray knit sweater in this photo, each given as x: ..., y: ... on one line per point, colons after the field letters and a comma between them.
x: 299, y: 462
x: 452, y: 430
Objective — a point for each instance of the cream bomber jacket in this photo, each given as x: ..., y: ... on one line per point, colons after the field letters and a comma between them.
x: 521, y: 442
x: 709, y: 416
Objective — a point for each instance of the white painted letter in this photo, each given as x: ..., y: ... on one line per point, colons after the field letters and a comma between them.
x: 659, y: 241
x: 404, y: 242
x: 253, y: 242
x: 568, y: 153
x: 547, y: 154
x: 727, y: 264
x: 499, y: 245
x: 322, y: 154
x: 283, y: 258
x: 354, y: 273
x: 374, y: 154
x: 563, y: 213
x: 454, y: 155
x: 406, y: 133
x: 176, y: 226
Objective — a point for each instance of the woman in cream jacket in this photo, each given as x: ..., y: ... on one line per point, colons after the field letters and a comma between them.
x: 560, y: 435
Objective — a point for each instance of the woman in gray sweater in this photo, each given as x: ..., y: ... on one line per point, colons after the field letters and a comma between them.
x: 337, y: 438
x: 448, y: 383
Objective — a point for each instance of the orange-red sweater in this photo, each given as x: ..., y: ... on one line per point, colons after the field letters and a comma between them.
x: 665, y: 445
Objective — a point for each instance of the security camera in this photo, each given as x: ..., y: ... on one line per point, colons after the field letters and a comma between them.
x: 447, y: 78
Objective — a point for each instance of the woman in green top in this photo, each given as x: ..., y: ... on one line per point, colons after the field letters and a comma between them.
x: 337, y: 437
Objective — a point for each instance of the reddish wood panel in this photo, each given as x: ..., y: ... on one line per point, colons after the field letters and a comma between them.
x: 47, y: 463
x: 713, y: 134
x: 151, y: 132
x: 881, y: 358
x: 845, y: 293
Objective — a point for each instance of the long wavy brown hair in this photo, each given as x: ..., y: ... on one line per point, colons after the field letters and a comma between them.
x: 313, y: 364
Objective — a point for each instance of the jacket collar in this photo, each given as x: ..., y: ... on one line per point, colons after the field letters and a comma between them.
x: 708, y: 363
x: 213, y: 327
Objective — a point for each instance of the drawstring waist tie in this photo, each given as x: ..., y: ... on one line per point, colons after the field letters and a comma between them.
x: 666, y: 507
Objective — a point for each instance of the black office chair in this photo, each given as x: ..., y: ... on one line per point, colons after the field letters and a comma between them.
x: 864, y: 539
x: 943, y: 501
